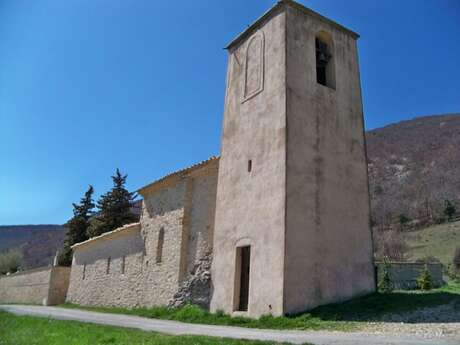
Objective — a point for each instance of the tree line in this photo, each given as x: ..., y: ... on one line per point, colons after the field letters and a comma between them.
x: 112, y: 210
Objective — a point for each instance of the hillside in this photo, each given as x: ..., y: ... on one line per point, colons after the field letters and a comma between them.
x: 413, y: 167
x: 38, y: 243
x: 439, y: 241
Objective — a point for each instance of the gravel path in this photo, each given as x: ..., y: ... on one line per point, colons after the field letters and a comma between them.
x: 368, y: 337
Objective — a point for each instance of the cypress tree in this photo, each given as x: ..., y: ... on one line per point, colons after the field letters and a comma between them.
x: 77, y: 226
x: 114, y: 208
x: 385, y: 285
x: 424, y: 281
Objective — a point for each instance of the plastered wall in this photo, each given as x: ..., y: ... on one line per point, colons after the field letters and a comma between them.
x: 329, y: 253
x: 250, y: 204
x: 292, y: 176
x: 46, y: 286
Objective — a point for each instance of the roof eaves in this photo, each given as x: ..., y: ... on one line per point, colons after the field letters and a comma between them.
x: 252, y: 27
x: 178, y: 173
x: 106, y: 234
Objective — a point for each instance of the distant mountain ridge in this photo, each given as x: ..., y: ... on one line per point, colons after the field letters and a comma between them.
x: 414, y: 166
x: 38, y: 243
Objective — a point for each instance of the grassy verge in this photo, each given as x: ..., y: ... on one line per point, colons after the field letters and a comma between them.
x: 346, y: 316
x: 375, y: 307
x: 26, y: 330
x: 194, y: 314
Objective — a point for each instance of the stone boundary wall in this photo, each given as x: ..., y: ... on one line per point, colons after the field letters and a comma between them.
x: 147, y: 264
x: 45, y: 285
x: 404, y: 275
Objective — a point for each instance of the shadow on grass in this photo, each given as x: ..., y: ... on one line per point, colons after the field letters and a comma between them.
x: 400, y: 306
x: 440, y: 305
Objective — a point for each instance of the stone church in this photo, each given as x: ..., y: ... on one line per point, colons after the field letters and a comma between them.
x: 280, y: 222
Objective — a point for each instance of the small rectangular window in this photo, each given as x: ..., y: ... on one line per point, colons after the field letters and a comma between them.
x: 123, y: 265
x: 107, y: 271
x: 84, y: 272
x: 249, y: 165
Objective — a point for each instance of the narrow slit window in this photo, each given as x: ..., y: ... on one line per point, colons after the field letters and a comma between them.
x: 123, y: 265
x: 84, y: 272
x: 249, y: 165
x: 107, y: 271
x: 325, y: 74
x: 161, y: 238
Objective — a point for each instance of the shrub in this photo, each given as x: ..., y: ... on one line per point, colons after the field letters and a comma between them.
x: 452, y: 273
x: 385, y: 285
x: 10, y: 261
x: 391, y: 245
x: 424, y: 281
x: 456, y: 260
x: 449, y: 209
x: 403, y: 219
x: 440, y: 220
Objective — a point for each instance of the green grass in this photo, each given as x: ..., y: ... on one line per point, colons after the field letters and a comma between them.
x: 347, y: 316
x: 26, y: 330
x: 439, y: 241
x: 194, y: 314
x: 375, y: 307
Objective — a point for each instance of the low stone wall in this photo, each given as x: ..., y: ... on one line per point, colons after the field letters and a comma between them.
x: 404, y: 275
x: 45, y: 285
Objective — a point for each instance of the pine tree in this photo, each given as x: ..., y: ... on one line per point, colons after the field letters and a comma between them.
x: 77, y: 226
x: 385, y: 285
x: 114, y: 208
x: 424, y: 281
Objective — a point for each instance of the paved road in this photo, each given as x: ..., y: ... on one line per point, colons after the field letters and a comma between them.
x: 179, y: 328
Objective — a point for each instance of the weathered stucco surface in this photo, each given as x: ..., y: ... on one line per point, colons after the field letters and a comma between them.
x: 46, y: 285
x: 182, y: 206
x: 329, y: 253
x: 250, y: 205
x: 304, y: 207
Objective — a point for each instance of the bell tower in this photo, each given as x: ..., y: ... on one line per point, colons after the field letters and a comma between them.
x: 292, y: 226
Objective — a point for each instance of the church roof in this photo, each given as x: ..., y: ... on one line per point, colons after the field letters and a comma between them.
x: 108, y: 235
x: 251, y: 28
x: 178, y: 174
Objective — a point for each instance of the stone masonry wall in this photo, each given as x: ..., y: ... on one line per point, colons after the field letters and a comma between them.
x: 59, y: 284
x: 202, y: 217
x: 159, y: 254
x: 162, y: 211
x: 46, y: 286
x: 199, y: 228
x: 94, y: 281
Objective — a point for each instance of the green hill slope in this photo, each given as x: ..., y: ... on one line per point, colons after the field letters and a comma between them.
x: 439, y: 241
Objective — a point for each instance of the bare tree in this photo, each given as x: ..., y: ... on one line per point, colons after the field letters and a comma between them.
x: 390, y: 245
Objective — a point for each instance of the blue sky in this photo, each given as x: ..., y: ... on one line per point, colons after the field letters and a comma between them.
x: 87, y: 86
